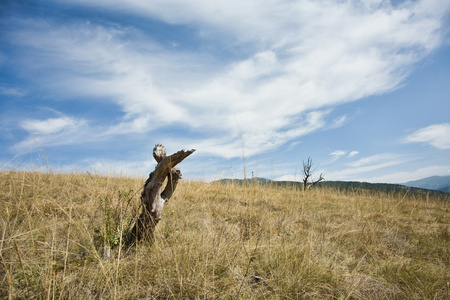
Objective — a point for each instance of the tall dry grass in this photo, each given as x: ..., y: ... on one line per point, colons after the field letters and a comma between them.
x: 218, y: 242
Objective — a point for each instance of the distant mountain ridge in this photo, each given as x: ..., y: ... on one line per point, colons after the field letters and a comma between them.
x: 438, y: 183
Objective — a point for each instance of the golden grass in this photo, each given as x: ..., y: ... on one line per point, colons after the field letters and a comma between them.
x: 218, y: 242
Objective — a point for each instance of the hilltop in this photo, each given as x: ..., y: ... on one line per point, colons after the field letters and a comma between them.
x: 346, y: 186
x: 219, y: 241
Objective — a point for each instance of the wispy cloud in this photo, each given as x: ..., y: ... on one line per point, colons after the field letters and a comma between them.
x: 341, y: 153
x: 375, y: 160
x: 437, y: 135
x: 359, y: 169
x: 49, y: 126
x: 119, y: 168
x: 297, y: 60
x: 52, y: 132
x: 352, y: 153
x: 402, y: 177
x: 11, y: 91
x: 337, y: 154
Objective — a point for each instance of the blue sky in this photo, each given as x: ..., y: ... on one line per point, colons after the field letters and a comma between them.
x: 361, y: 87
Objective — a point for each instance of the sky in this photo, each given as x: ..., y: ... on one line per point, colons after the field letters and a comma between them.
x: 255, y: 86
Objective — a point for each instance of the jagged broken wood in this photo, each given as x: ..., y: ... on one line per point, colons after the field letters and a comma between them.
x: 152, y: 199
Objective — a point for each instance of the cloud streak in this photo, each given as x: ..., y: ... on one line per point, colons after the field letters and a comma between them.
x: 301, y: 59
x: 368, y: 164
x: 49, y: 126
x: 437, y: 135
x: 53, y: 132
x: 403, y: 177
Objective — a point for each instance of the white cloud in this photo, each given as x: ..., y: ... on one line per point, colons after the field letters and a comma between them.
x: 253, y: 19
x: 437, y: 135
x: 404, y: 176
x: 375, y: 160
x: 338, y: 122
x: 289, y: 178
x: 338, y: 153
x: 301, y: 59
x: 352, y: 153
x: 48, y: 126
x: 341, y: 153
x: 120, y: 168
x: 359, y: 169
x: 54, y: 132
x: 10, y: 91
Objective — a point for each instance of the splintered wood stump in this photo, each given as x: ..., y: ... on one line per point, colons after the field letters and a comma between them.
x: 152, y: 199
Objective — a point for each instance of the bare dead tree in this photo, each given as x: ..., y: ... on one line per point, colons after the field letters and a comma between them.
x: 152, y: 199
x: 308, y: 172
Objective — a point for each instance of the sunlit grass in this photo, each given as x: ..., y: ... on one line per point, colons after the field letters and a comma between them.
x: 219, y: 241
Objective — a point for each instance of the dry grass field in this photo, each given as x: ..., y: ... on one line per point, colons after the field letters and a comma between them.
x: 218, y: 242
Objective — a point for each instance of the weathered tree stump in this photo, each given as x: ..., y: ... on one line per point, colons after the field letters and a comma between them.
x: 152, y: 199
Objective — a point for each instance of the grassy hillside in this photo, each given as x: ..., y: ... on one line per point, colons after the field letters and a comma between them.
x: 221, y: 241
